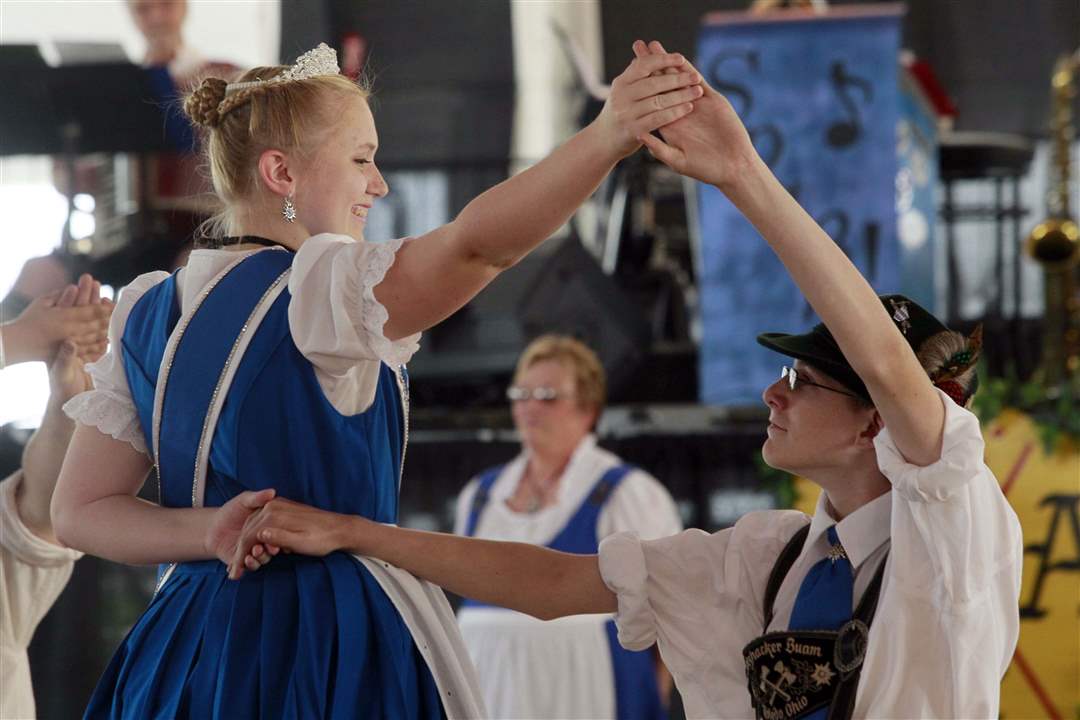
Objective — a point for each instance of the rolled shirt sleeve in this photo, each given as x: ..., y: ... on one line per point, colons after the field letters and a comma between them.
x: 33, y: 573
x: 956, y: 541
x: 698, y: 596
x: 953, y: 530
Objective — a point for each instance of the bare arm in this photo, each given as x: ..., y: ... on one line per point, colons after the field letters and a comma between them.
x: 541, y: 582
x: 44, y: 452
x: 849, y: 307
x: 95, y: 509
x: 712, y: 145
x: 44, y: 455
x: 440, y: 271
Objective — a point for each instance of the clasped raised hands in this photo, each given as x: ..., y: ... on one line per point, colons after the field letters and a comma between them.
x: 655, y: 89
x: 711, y: 144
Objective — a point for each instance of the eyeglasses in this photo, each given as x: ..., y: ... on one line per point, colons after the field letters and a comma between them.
x: 520, y: 393
x: 794, y: 382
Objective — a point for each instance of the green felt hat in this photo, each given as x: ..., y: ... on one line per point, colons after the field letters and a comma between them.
x: 818, y: 347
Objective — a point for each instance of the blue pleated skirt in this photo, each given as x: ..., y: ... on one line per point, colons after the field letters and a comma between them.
x: 301, y: 638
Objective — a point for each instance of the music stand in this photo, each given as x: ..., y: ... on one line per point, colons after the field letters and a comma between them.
x: 112, y: 107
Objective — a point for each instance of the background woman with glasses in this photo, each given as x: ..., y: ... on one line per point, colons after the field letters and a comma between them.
x: 562, y: 492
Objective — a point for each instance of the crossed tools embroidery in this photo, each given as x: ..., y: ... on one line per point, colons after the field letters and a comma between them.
x: 785, y: 679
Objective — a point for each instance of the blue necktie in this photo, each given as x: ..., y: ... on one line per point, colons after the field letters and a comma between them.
x: 824, y: 599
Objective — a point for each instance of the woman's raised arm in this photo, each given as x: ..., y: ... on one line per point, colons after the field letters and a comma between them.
x: 439, y: 272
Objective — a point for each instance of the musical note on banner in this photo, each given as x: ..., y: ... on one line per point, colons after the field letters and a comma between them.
x: 766, y: 137
x: 843, y: 133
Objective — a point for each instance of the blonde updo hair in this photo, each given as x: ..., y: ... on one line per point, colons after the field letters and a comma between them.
x: 590, y: 382
x: 291, y: 116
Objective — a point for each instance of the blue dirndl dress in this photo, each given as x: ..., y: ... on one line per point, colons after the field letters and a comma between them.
x: 241, y: 409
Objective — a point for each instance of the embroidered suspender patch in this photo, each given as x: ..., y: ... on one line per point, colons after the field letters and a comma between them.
x: 793, y: 673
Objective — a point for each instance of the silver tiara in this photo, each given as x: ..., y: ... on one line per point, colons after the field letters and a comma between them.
x: 314, y: 63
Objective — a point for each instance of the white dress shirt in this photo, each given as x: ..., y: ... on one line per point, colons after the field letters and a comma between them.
x: 947, y: 619
x: 561, y: 668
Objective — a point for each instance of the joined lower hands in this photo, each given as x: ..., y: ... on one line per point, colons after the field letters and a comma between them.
x: 281, y: 525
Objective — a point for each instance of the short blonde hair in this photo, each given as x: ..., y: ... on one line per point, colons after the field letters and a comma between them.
x: 290, y: 116
x: 589, y: 379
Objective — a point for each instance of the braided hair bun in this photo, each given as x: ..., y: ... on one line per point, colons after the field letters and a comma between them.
x: 203, y: 105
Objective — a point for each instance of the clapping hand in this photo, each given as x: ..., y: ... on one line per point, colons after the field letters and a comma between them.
x: 77, y: 314
x: 67, y: 374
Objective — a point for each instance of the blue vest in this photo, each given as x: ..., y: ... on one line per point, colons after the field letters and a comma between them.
x: 637, y: 696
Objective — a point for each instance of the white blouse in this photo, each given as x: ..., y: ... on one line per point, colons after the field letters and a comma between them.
x: 561, y: 668
x: 640, y: 503
x: 334, y: 319
x: 33, y: 573
x: 947, y: 619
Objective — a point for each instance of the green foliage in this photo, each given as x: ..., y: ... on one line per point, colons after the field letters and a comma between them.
x: 1056, y: 411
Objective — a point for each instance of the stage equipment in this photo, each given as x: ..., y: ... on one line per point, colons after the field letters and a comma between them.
x: 469, y: 358
x: 103, y: 123
x: 642, y: 234
x: 1055, y: 242
x: 970, y: 161
x: 114, y: 107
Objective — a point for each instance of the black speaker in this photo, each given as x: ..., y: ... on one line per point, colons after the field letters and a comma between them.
x: 469, y: 358
x: 573, y: 296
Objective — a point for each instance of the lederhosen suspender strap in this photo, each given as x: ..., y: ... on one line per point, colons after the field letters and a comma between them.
x: 843, y: 703
x: 784, y: 561
x: 847, y: 646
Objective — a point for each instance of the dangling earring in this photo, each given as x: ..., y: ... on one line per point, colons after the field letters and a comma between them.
x: 288, y: 210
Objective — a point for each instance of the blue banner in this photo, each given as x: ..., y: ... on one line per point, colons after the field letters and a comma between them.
x: 820, y: 98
